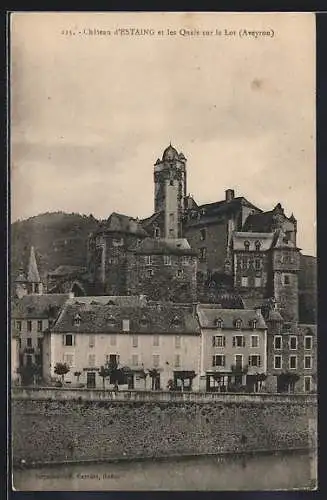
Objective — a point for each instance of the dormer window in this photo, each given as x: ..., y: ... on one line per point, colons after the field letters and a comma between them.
x: 176, y: 321
x: 253, y: 324
x: 257, y: 246
x: 143, y: 321
x: 77, y: 320
x: 246, y: 245
x: 157, y: 232
x: 111, y: 320
x: 219, y: 323
x: 238, y: 324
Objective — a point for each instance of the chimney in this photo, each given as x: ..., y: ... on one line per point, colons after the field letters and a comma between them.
x: 229, y: 195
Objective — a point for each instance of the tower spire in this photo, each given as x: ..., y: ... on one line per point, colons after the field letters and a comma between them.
x: 33, y: 272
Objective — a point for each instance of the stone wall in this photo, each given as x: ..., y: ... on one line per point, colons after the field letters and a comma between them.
x: 59, y: 430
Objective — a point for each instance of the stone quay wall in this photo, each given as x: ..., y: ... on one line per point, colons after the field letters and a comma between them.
x: 52, y: 430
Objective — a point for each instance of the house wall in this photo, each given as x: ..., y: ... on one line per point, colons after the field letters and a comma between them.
x: 121, y: 344
x: 208, y: 350
x: 34, y: 335
x: 14, y: 358
x: 286, y: 352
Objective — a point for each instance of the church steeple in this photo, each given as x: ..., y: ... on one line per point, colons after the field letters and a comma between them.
x: 30, y: 284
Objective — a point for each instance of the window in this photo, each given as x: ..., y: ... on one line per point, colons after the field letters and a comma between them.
x: 135, y: 360
x: 69, y: 359
x: 149, y: 273
x: 244, y: 281
x: 257, y: 282
x: 184, y: 260
x: 277, y: 362
x: 20, y: 342
x: 171, y: 182
x: 218, y: 360
x: 91, y: 360
x: 254, y: 341
x: 293, y: 343
x: 253, y: 324
x: 218, y: 341
x: 203, y: 254
x: 171, y: 232
x: 39, y: 325
x: 277, y: 342
x: 179, y: 273
x: 257, y: 246
x: 39, y: 343
x: 287, y: 280
x: 117, y: 243
x: 148, y: 260
x: 29, y: 325
x: 307, y: 384
x: 238, y: 324
x: 257, y: 264
x: 308, y: 343
x: 156, y: 232
x: 177, y: 362
x: 77, y: 320
x: 19, y: 326
x: 29, y: 359
x: 112, y: 359
x: 239, y: 360
x: 293, y: 362
x: 246, y: 245
x: 68, y: 340
x: 255, y: 360
x: 307, y: 362
x: 125, y: 325
x: 202, y: 234
x: 219, y: 323
x: 91, y: 340
x: 156, y: 340
x: 156, y: 360
x: 167, y: 260
x: 178, y: 341
x: 135, y: 341
x: 244, y: 262
x: 238, y: 341
x: 29, y: 341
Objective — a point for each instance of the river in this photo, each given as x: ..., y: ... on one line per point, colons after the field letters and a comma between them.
x: 279, y: 471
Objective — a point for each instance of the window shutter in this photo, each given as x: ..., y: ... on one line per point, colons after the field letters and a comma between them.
x: 224, y: 342
x: 259, y: 360
x: 74, y: 339
x: 223, y: 360
x: 234, y: 341
x: 63, y: 340
x: 213, y: 361
x: 243, y: 341
x: 249, y: 361
x: 213, y: 342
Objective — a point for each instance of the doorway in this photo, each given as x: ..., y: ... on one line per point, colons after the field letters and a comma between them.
x: 90, y: 380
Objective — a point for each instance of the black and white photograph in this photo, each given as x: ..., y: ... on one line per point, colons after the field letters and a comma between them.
x: 163, y: 283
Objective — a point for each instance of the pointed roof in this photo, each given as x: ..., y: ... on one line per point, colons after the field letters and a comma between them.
x: 33, y: 272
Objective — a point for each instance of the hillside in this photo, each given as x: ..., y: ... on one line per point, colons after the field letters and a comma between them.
x: 58, y: 238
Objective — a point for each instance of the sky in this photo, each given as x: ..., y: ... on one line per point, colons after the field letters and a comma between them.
x: 90, y: 114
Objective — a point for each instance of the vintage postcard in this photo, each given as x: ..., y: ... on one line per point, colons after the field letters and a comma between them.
x: 163, y: 251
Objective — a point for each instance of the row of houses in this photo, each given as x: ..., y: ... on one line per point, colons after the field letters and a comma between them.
x: 182, y: 346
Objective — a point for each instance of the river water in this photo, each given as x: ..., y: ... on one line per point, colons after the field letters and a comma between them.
x: 280, y: 471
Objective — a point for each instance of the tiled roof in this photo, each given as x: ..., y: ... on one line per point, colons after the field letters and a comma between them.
x: 151, y: 246
x: 151, y: 319
x: 209, y: 314
x: 224, y: 205
x: 265, y: 222
x: 64, y: 270
x: 38, y: 306
x: 114, y: 300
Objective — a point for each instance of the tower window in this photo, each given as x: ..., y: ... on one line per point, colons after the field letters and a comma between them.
x: 257, y: 246
x: 287, y: 280
x: 149, y: 273
x: 202, y: 234
x: 179, y: 273
x: 157, y: 232
x: 171, y: 182
x: 203, y: 254
x: 246, y: 245
x: 167, y: 260
x: 257, y: 264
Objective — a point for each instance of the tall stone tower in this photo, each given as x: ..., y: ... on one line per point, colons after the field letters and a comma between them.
x: 170, y: 190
